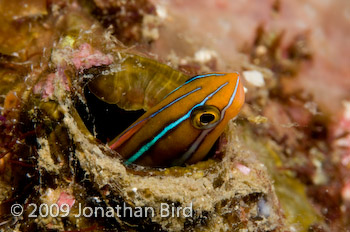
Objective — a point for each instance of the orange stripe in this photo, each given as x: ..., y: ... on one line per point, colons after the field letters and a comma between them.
x: 127, y: 135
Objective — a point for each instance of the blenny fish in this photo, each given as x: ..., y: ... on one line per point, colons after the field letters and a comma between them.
x: 182, y: 128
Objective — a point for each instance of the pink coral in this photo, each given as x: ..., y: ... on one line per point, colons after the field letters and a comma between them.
x: 67, y: 199
x: 340, y: 135
x: 47, y: 86
x: 86, y: 57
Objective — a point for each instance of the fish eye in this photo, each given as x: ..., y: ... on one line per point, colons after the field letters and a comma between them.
x: 205, y: 117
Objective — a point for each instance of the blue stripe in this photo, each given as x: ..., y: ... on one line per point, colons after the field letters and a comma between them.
x: 195, y: 78
x: 200, y: 138
x: 201, y: 76
x: 163, y: 108
x: 231, y: 100
x: 172, y: 125
x: 176, y: 100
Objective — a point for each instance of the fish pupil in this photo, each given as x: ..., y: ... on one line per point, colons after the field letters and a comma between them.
x: 206, y: 118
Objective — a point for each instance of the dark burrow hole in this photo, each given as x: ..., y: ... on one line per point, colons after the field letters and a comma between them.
x: 105, y: 121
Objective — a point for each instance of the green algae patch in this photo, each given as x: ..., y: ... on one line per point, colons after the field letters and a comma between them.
x: 297, y: 208
x: 299, y: 213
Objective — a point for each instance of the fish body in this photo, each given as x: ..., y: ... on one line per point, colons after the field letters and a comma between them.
x: 183, y: 127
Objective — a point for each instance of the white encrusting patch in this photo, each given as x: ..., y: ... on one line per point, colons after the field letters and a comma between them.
x: 161, y: 12
x: 254, y: 77
x: 204, y: 55
x: 243, y: 169
x: 264, y: 208
x: 346, y: 105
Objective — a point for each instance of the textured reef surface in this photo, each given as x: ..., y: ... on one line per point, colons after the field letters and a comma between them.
x: 75, y: 74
